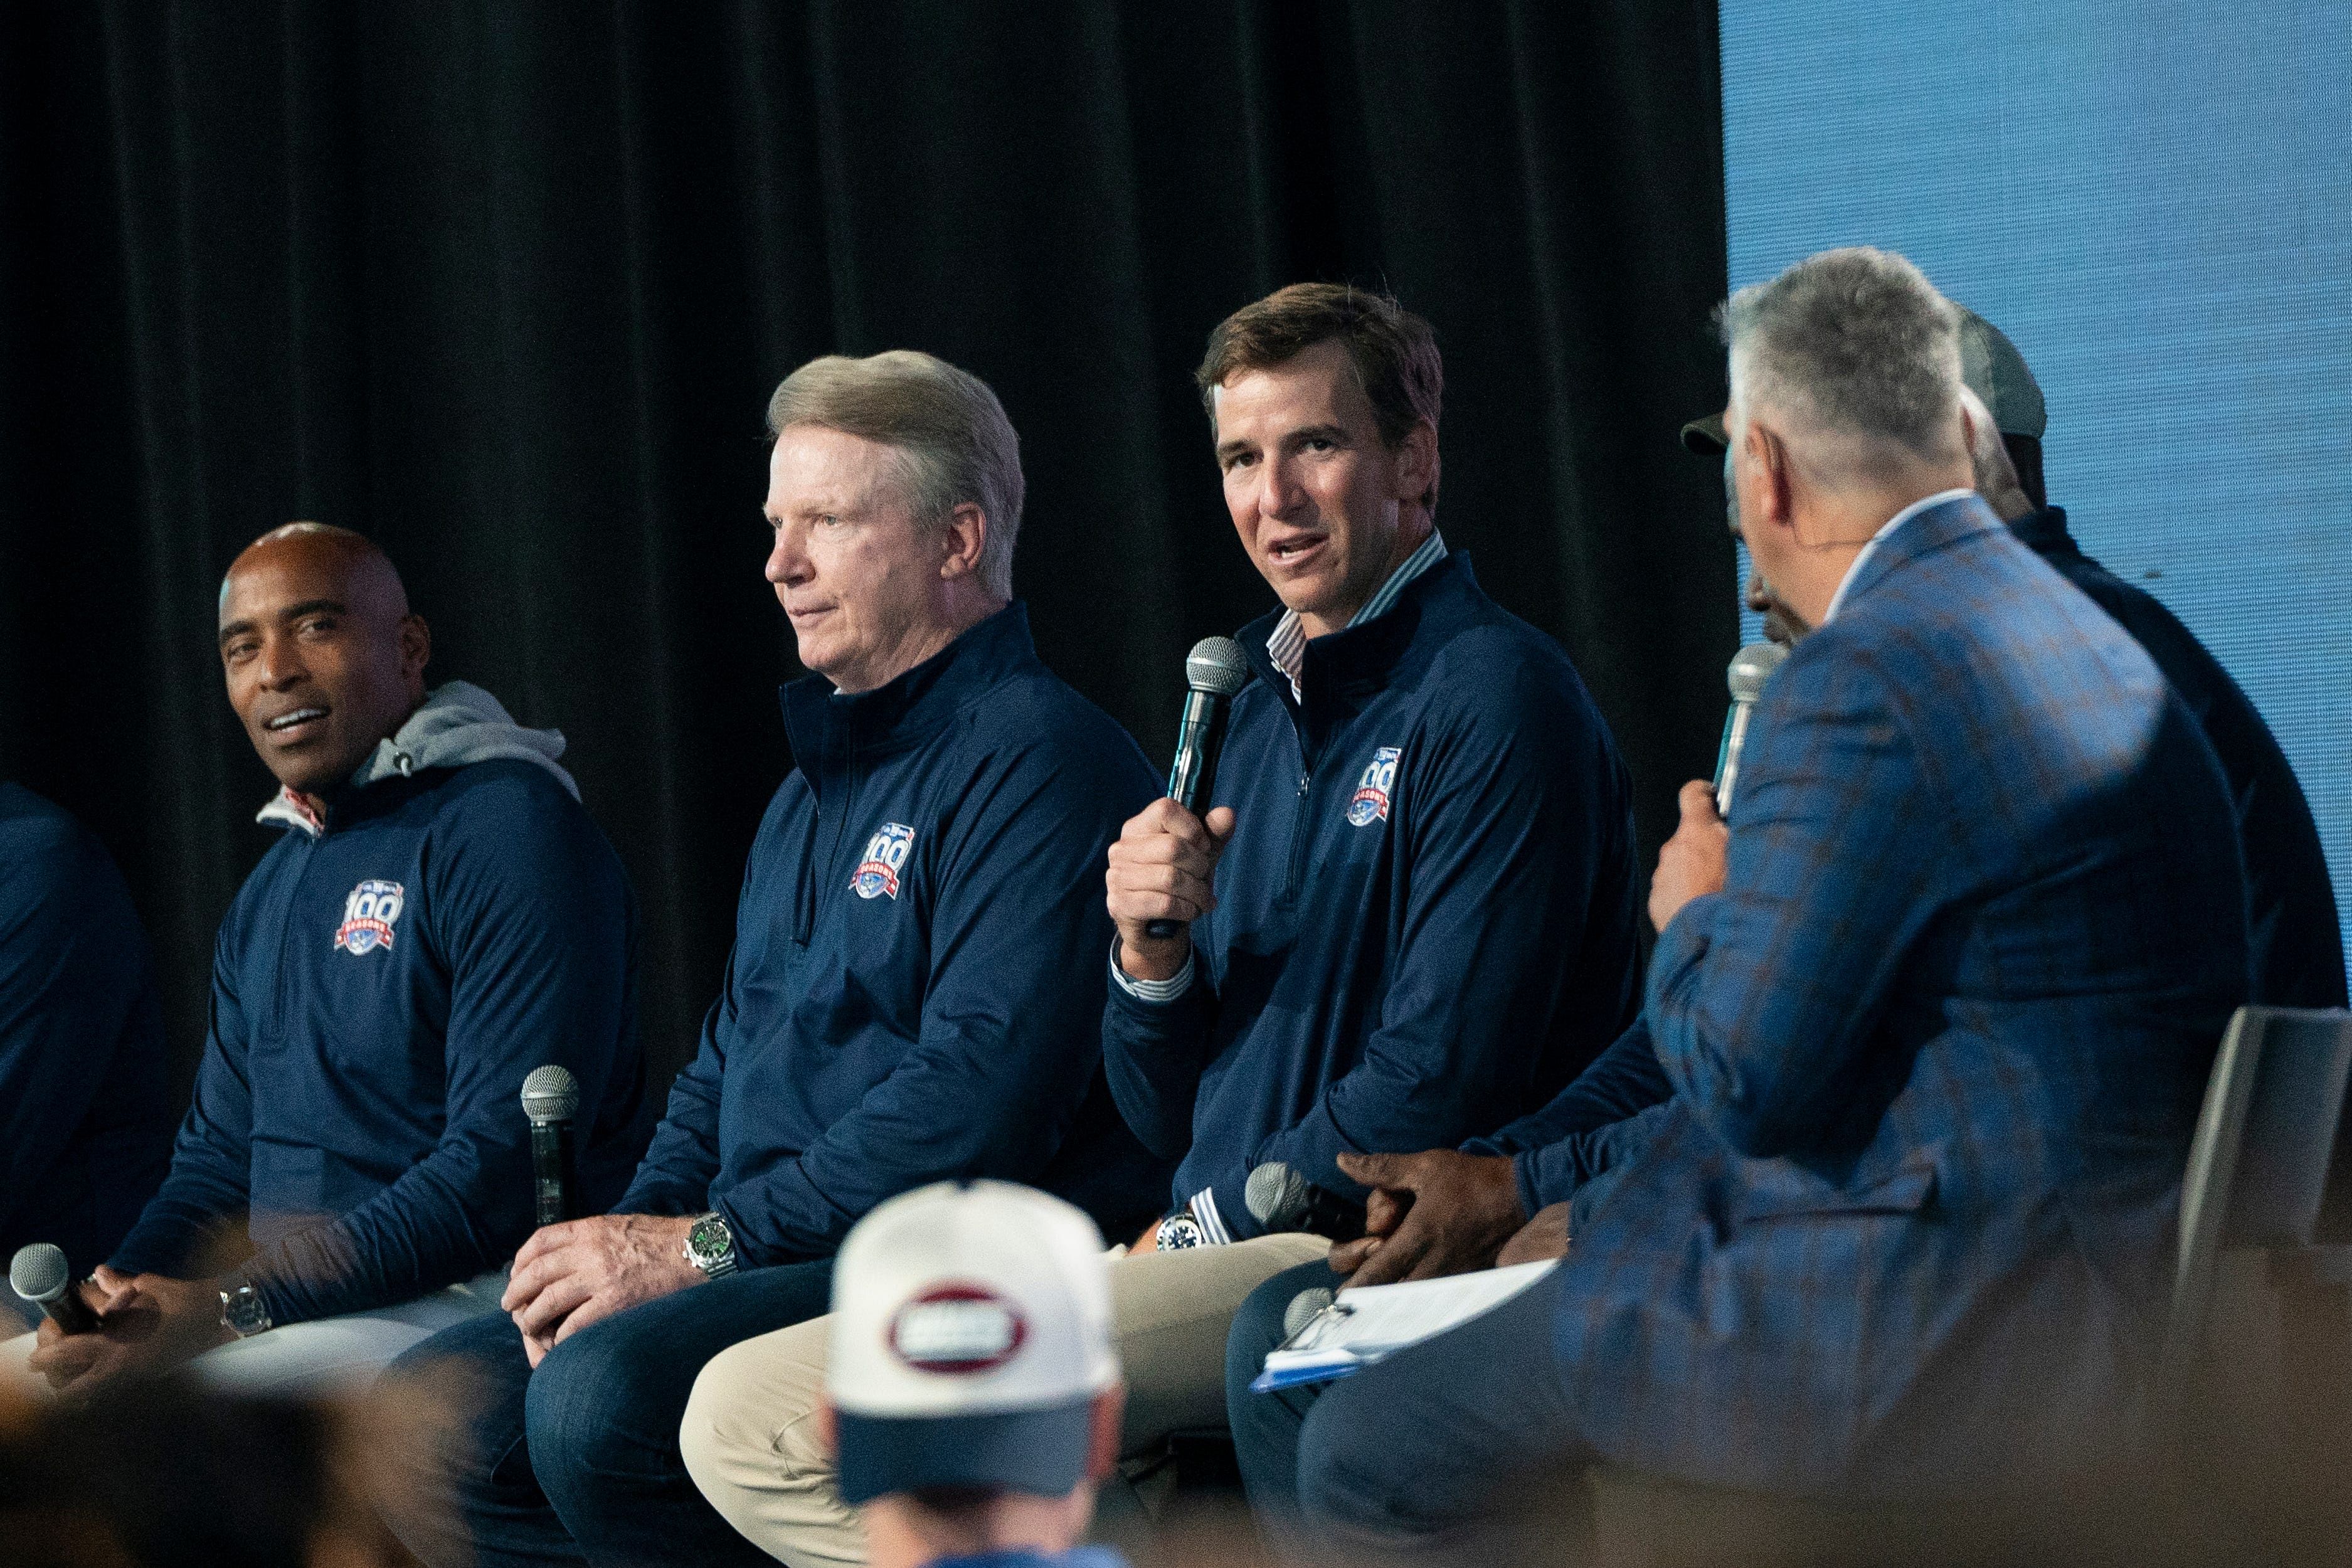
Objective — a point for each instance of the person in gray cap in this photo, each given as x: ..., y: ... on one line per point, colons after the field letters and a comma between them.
x: 2297, y: 946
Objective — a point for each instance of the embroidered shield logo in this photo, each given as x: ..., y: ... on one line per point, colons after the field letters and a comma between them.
x: 368, y: 915
x: 1371, y: 801
x: 885, y: 857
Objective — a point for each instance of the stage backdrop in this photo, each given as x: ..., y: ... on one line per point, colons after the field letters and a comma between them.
x: 2153, y: 198
x: 507, y: 286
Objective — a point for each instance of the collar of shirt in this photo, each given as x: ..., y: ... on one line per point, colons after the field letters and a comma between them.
x: 1891, y: 524
x: 1287, y: 645
x: 290, y: 810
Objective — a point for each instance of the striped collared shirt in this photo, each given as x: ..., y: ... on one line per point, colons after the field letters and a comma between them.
x: 1288, y: 645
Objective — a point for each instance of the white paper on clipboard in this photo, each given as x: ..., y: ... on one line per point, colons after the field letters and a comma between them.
x: 1365, y: 1324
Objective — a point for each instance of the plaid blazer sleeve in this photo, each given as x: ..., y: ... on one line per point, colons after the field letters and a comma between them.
x: 1762, y: 996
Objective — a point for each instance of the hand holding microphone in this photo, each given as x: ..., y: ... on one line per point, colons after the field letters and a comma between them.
x: 1692, y: 863
x: 1163, y: 869
x: 550, y: 1099
x: 1750, y: 668
x: 39, y: 1274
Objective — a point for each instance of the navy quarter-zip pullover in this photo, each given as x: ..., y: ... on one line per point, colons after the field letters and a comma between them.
x: 1425, y: 917
x: 383, y: 983
x: 85, y: 1113
x: 916, y: 988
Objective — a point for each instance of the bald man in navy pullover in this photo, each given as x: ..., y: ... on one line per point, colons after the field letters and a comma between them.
x: 439, y: 918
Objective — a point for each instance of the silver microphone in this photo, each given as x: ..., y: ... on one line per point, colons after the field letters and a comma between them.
x: 39, y: 1274
x: 1750, y: 668
x: 1303, y: 1309
x: 1280, y: 1199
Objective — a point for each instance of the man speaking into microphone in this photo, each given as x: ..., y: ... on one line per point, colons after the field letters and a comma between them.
x: 1408, y: 914
x: 1935, y: 1007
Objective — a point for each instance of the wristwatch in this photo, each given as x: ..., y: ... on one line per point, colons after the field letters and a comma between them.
x: 1179, y: 1231
x: 711, y: 1246
x: 243, y: 1312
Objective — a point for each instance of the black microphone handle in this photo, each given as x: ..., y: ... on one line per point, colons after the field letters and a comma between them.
x: 551, y: 1171
x: 1193, y: 772
x: 68, y: 1311
x: 1331, y: 1216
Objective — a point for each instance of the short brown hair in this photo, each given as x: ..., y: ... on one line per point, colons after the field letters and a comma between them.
x: 1393, y: 351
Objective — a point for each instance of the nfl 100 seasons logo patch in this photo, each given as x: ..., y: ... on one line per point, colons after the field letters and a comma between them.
x: 885, y: 857
x: 1370, y: 802
x: 368, y: 915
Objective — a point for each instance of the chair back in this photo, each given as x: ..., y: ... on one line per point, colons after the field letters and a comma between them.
x: 2261, y: 1165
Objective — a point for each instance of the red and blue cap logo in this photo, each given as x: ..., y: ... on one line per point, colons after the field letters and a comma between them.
x: 957, y: 1329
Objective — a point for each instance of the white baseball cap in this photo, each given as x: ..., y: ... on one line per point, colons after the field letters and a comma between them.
x: 971, y: 1332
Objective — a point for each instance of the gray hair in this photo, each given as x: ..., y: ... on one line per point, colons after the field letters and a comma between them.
x: 955, y: 444
x: 1856, y: 347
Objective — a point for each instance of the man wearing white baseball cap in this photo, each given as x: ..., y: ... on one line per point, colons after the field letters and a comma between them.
x: 973, y: 1391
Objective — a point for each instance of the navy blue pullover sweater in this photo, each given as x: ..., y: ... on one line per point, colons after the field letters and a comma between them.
x: 916, y: 987
x: 2297, y: 947
x: 1425, y: 917
x: 380, y: 991
x: 85, y: 1112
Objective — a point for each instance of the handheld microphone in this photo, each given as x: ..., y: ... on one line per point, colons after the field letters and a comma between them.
x: 551, y: 1098
x: 1752, y: 667
x: 1304, y: 1309
x: 1280, y: 1199
x: 40, y: 1275
x: 1214, y: 671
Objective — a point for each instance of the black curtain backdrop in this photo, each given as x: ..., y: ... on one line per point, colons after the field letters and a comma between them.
x: 507, y: 287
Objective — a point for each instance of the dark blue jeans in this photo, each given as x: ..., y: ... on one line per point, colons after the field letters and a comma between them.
x: 1410, y: 1453
x: 578, y: 1461
x: 1265, y: 1425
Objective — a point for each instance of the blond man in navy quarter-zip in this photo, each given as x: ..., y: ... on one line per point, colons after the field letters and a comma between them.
x: 914, y: 993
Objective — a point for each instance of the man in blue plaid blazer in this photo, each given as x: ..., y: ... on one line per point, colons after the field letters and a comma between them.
x: 1938, y: 1007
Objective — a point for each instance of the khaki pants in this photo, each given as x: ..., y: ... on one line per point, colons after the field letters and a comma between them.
x: 750, y: 1436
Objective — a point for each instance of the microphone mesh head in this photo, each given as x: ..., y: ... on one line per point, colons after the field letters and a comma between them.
x: 1216, y: 665
x: 550, y: 1094
x: 1752, y: 667
x: 38, y: 1272
x: 1275, y: 1195
x: 1302, y: 1310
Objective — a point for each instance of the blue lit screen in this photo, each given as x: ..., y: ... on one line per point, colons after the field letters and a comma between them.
x: 2154, y: 201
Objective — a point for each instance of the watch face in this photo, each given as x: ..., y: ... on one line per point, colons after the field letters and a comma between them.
x: 710, y: 1240
x: 1180, y: 1231
x: 242, y: 1310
